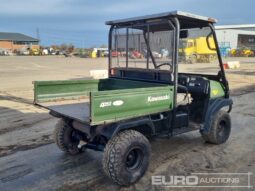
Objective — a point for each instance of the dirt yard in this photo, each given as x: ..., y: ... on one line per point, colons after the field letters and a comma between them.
x: 39, y: 165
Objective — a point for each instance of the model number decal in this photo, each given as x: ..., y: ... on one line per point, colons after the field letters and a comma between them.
x: 158, y: 98
x: 111, y: 103
x: 106, y: 104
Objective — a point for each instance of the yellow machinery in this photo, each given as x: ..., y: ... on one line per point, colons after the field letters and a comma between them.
x: 93, y: 53
x: 247, y: 52
x: 196, y: 50
x: 97, y: 52
x: 244, y: 52
x: 35, y: 52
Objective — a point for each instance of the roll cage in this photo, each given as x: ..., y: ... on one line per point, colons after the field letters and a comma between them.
x: 176, y: 21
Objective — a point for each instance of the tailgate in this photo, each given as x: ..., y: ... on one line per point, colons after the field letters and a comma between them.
x: 68, y: 98
x: 48, y: 91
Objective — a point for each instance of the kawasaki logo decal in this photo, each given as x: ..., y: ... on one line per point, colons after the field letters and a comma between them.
x: 158, y: 98
x: 215, y: 92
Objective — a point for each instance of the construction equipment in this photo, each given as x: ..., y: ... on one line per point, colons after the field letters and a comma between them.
x: 93, y: 53
x: 246, y: 52
x: 242, y: 52
x: 117, y: 114
x: 98, y: 52
x: 35, y: 52
x: 196, y: 50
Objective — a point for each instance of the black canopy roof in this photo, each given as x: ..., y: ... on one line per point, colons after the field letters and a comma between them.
x: 187, y: 20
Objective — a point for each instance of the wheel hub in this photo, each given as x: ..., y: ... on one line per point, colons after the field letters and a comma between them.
x: 134, y: 159
x: 221, y: 128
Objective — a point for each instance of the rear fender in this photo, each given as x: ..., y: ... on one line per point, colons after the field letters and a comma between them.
x: 214, y: 106
x: 143, y: 125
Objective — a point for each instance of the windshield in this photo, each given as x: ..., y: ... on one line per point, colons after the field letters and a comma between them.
x: 197, y: 52
x: 150, y: 46
x: 142, y: 46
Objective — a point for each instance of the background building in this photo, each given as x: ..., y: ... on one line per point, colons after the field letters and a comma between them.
x: 236, y: 36
x: 17, y: 41
x: 229, y: 36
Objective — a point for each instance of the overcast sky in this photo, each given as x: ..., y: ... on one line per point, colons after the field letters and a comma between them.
x: 81, y: 22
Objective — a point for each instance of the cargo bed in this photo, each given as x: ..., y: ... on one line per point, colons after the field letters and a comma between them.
x: 95, y: 102
x: 75, y: 109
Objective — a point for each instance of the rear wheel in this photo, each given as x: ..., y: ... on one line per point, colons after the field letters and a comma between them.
x: 126, y: 157
x: 64, y: 137
x: 220, y: 128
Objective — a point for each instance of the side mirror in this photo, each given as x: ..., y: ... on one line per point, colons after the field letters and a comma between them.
x: 184, y: 34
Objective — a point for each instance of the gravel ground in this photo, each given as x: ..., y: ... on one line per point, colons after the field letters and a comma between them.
x: 24, y: 126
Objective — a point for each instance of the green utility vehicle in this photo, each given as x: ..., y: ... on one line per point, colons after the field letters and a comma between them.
x: 142, y: 97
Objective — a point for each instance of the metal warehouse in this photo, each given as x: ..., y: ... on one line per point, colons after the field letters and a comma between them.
x: 236, y: 36
x: 229, y: 36
x: 16, y: 41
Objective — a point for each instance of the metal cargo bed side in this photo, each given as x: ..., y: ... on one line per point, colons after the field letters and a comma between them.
x: 96, y: 102
x: 115, y: 105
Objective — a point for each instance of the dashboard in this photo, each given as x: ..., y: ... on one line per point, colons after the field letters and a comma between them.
x: 195, y: 85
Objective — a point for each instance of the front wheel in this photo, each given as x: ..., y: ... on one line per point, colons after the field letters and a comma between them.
x: 126, y: 157
x: 220, y: 128
x: 211, y: 58
x: 192, y: 59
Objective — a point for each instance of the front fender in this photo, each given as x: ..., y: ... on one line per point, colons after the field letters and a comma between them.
x: 214, y: 106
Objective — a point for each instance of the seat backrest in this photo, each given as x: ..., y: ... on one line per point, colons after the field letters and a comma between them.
x: 150, y: 75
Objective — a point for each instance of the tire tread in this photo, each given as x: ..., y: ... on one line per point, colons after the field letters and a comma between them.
x: 113, y: 151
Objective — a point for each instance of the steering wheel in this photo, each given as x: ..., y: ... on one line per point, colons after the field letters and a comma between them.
x: 163, y: 64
